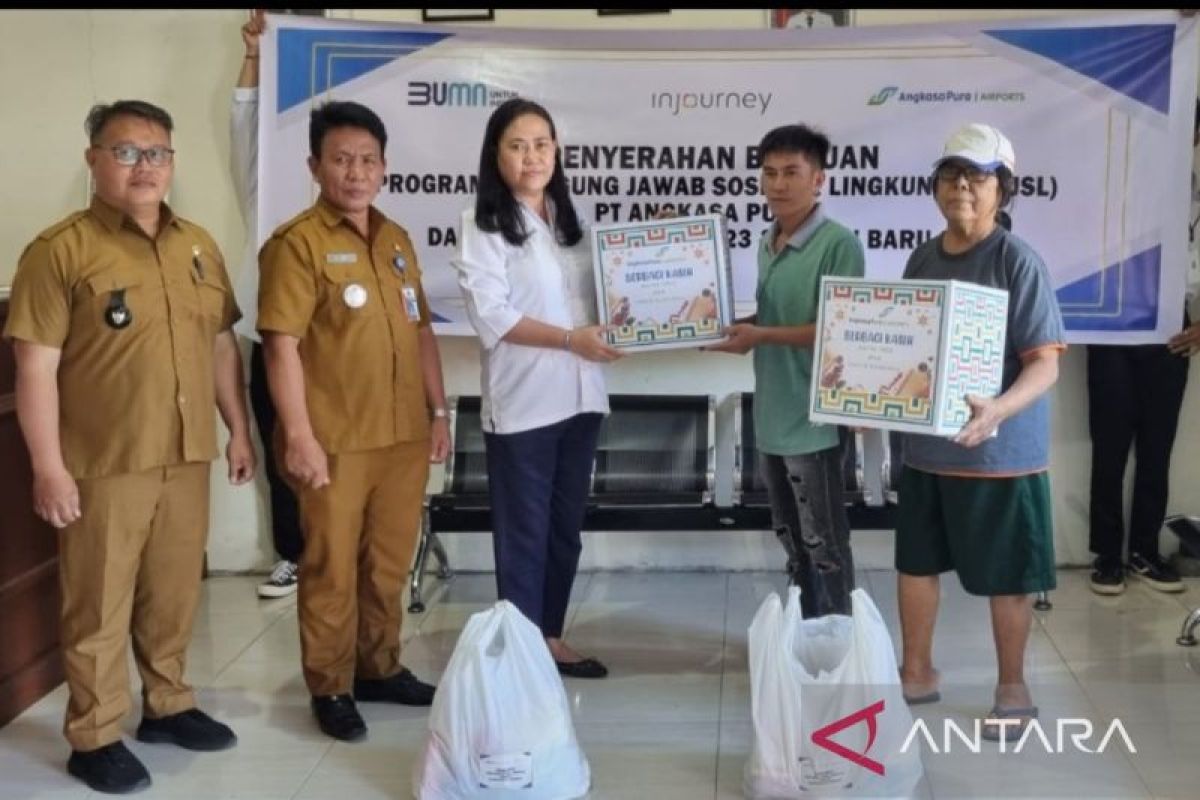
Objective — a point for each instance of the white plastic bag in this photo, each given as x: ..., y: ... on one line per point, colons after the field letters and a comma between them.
x: 500, y: 727
x: 828, y: 710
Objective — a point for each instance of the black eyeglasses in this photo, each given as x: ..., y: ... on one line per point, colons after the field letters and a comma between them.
x: 950, y: 173
x: 128, y: 155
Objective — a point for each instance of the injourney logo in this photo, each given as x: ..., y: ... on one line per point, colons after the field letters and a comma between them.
x: 679, y: 102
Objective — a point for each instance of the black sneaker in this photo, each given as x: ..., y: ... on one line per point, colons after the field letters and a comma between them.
x: 1108, y: 576
x: 403, y: 688
x: 191, y: 730
x: 285, y: 577
x: 1156, y: 572
x: 111, y: 769
x: 337, y: 716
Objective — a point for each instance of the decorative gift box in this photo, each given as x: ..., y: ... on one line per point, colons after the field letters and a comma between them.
x: 663, y: 283
x: 903, y: 355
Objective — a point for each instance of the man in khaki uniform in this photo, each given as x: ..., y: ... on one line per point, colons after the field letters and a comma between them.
x: 120, y: 319
x: 355, y: 375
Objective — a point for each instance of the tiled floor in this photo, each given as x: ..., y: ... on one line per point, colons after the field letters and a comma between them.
x: 673, y: 719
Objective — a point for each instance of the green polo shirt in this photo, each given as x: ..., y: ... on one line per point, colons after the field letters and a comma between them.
x: 789, y: 284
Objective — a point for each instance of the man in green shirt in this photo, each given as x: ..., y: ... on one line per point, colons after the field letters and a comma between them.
x: 800, y: 460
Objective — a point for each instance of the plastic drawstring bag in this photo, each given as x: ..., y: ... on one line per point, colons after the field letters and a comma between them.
x: 829, y: 717
x: 500, y: 727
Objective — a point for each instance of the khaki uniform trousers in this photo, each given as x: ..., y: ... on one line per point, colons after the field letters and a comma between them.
x: 360, y: 532
x: 130, y: 564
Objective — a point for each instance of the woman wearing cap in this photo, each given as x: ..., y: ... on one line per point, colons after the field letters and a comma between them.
x: 979, y: 503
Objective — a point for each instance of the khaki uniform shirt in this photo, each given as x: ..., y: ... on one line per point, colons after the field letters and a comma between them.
x: 140, y: 396
x: 356, y: 314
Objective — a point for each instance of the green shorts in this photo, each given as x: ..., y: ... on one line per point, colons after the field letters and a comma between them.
x: 996, y: 533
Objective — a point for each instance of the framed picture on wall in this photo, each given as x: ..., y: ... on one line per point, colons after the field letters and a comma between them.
x: 301, y: 12
x: 457, y: 14
x: 809, y: 17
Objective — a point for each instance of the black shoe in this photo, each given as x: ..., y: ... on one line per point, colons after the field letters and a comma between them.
x: 191, y: 730
x: 111, y: 769
x: 587, y: 668
x: 403, y: 688
x: 1108, y: 576
x: 284, y: 580
x: 338, y: 717
x: 1155, y: 571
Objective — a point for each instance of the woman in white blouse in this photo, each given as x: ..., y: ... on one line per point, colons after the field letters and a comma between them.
x: 525, y: 273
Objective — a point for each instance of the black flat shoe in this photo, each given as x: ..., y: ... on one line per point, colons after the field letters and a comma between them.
x: 111, y: 769
x: 403, y: 688
x: 338, y: 717
x: 587, y: 668
x: 191, y: 730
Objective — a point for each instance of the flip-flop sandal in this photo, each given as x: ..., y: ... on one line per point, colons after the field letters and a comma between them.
x: 931, y: 696
x: 1010, y: 733
x: 921, y: 699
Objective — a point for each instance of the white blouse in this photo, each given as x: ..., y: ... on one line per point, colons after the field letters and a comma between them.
x: 527, y: 387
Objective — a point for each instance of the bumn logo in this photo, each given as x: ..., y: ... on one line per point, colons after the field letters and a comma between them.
x: 823, y: 737
x: 882, y: 95
x: 442, y: 93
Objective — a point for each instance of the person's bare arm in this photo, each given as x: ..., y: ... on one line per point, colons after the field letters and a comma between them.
x: 742, y: 337
x: 1186, y: 343
x: 1039, y: 371
x: 588, y: 343
x: 251, y: 34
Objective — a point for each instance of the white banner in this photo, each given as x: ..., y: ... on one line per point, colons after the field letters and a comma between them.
x: 1099, y: 110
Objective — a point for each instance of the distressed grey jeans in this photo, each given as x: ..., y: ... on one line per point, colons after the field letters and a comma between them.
x: 809, y: 517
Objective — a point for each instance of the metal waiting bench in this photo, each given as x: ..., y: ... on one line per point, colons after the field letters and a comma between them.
x: 750, y: 507
x: 1188, y: 530
x: 464, y: 496
x: 655, y: 464
x: 655, y: 469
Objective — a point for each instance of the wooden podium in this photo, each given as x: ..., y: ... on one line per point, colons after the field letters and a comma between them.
x: 30, y: 665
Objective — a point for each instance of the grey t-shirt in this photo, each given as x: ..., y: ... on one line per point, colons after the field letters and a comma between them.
x: 1003, y: 261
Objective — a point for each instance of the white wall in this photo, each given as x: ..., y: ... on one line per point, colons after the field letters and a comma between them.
x: 57, y: 63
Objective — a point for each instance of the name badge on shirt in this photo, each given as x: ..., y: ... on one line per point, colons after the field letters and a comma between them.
x: 411, y: 308
x: 341, y: 258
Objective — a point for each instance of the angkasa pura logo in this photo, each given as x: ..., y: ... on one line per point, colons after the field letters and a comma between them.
x: 946, y: 96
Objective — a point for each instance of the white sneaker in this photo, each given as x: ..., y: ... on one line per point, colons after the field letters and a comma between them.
x: 284, y: 577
